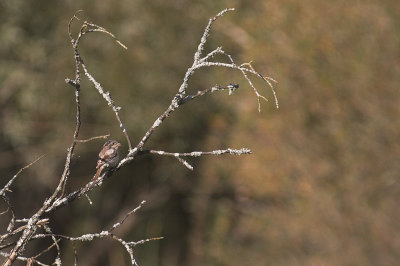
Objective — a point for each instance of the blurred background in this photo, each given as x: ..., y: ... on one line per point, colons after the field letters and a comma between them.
x: 322, y: 185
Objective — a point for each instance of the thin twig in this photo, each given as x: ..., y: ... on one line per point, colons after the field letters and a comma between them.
x: 201, y: 153
x: 9, y: 183
x: 101, y: 29
x: 110, y: 102
x: 57, y: 260
x: 126, y: 216
x: 75, y: 255
x: 5, y: 254
x: 206, y: 33
x: 21, y: 228
x: 231, y: 87
x: 93, y: 138
x: 10, y: 208
x: 105, y: 233
x: 178, y: 155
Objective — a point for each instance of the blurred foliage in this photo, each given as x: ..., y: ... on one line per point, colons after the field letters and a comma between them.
x: 322, y: 185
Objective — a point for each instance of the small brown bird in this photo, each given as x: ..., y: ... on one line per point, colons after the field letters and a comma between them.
x: 108, y: 157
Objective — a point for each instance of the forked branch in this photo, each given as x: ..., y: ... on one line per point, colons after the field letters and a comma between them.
x: 38, y: 226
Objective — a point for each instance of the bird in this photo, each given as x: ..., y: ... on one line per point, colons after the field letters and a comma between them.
x: 108, y: 157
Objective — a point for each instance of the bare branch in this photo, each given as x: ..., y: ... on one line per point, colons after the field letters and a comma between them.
x: 206, y: 33
x: 75, y: 255
x: 197, y: 55
x: 5, y: 254
x: 57, y: 260
x: 110, y: 102
x: 106, y: 233
x: 180, y: 98
x: 185, y: 163
x: 28, y: 230
x: 210, y: 55
x: 92, y: 138
x: 70, y: 23
x: 9, y: 183
x: 48, y: 249
x: 231, y: 87
x: 244, y: 72
x: 21, y: 228
x: 178, y: 155
x: 126, y: 216
x: 10, y: 208
x: 31, y: 225
x: 202, y: 153
x: 101, y: 29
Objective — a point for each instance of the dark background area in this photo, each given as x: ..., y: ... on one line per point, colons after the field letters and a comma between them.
x: 322, y: 185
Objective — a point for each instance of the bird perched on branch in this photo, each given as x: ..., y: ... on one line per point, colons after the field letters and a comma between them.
x: 108, y: 157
